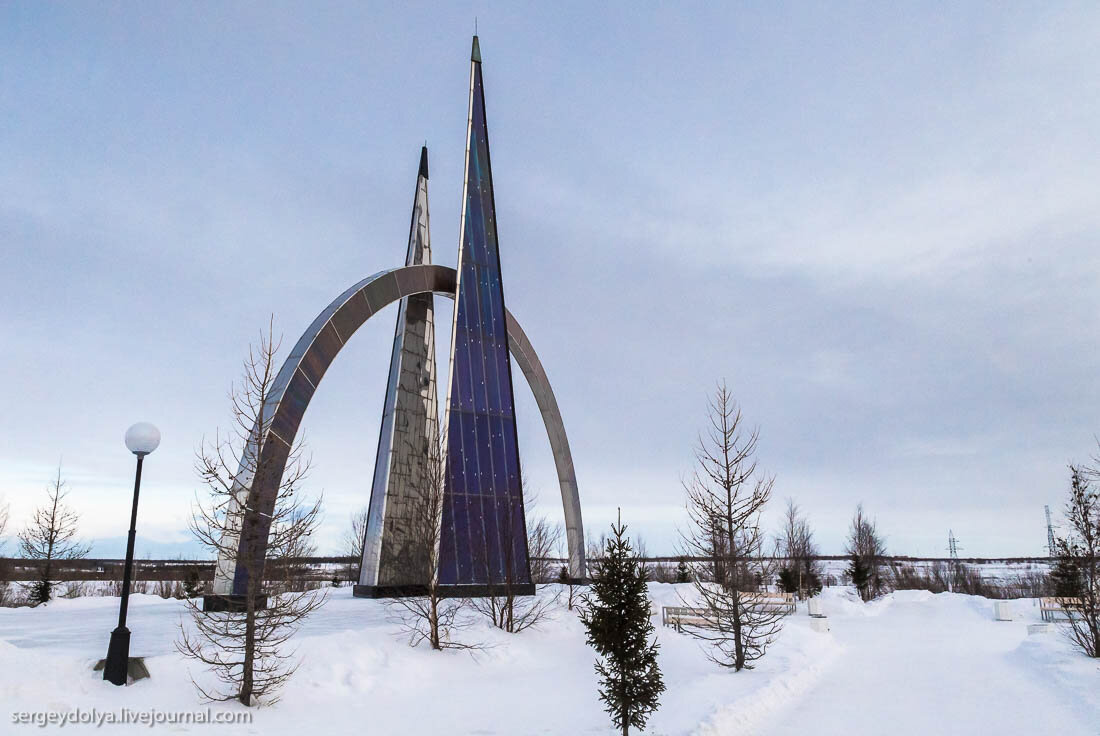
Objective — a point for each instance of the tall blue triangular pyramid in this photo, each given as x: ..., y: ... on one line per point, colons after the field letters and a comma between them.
x: 483, y: 540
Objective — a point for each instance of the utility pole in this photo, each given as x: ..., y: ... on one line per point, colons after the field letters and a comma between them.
x: 953, y: 549
x: 1050, y: 534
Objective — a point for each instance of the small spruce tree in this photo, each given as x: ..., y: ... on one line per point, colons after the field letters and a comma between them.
x: 50, y: 538
x: 616, y: 617
x: 1066, y: 578
x: 192, y: 585
x: 683, y: 574
x: 860, y: 574
x: 788, y: 580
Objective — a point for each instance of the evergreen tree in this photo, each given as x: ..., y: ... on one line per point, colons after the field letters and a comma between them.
x: 192, y: 585
x: 50, y: 538
x: 683, y: 574
x: 788, y: 580
x: 866, y: 548
x: 616, y: 617
x: 1066, y: 578
x: 800, y: 580
x: 1079, y: 558
x: 811, y: 582
x: 860, y: 573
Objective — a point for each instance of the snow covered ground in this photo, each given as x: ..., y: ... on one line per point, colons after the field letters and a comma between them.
x: 910, y: 663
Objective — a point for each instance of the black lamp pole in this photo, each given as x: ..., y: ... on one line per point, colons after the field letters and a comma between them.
x: 118, y: 652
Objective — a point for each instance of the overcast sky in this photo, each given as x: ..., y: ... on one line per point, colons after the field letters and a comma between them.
x: 879, y: 223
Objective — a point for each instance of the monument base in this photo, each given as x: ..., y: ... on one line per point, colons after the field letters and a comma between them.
x: 445, y: 591
x: 230, y: 603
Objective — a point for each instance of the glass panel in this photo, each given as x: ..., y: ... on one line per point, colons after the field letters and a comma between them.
x: 482, y: 478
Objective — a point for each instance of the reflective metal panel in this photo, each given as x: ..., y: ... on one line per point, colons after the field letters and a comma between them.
x: 392, y: 555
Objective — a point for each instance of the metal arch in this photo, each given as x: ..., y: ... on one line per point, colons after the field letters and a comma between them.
x: 299, y: 377
x: 523, y: 352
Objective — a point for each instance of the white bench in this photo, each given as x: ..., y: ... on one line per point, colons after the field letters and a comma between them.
x: 771, y: 601
x: 678, y: 616
x: 1049, y: 608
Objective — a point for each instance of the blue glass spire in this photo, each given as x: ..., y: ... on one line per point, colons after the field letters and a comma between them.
x: 483, y: 537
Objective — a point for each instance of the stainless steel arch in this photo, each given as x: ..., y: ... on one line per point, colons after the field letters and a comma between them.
x: 298, y: 380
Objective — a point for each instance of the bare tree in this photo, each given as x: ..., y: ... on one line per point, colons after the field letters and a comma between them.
x: 801, y: 572
x: 508, y: 611
x: 1081, y: 547
x: 429, y: 618
x: 593, y: 553
x: 543, y: 545
x: 642, y: 551
x: 246, y: 648
x: 355, y: 536
x: 49, y: 537
x: 725, y: 497
x: 572, y: 596
x: 867, y: 549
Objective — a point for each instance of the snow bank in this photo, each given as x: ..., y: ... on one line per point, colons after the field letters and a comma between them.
x: 911, y: 660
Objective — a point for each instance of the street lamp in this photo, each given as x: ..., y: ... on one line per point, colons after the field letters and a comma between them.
x: 141, y: 439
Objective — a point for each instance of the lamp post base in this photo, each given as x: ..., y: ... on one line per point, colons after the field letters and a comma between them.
x: 135, y: 668
x: 118, y: 656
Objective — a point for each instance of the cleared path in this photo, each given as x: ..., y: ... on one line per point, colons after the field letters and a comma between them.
x: 920, y: 665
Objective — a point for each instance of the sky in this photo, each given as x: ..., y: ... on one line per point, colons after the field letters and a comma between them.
x: 878, y: 223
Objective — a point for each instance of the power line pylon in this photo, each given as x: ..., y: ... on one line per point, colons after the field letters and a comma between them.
x: 956, y: 566
x: 1050, y: 534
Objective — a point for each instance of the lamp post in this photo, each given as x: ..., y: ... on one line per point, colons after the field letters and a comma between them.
x: 141, y: 439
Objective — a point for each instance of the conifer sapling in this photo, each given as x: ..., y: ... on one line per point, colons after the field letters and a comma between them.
x: 616, y: 617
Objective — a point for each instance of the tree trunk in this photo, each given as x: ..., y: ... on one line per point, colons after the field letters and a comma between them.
x: 433, y: 623
x: 738, y: 649
x: 249, y: 646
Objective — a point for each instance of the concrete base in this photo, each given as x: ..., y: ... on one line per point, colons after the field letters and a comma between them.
x: 1033, y: 629
x: 1002, y: 610
x: 445, y: 591
x: 135, y: 669
x: 820, y: 624
x: 231, y: 603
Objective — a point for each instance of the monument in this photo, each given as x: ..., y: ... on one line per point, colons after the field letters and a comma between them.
x: 482, y: 530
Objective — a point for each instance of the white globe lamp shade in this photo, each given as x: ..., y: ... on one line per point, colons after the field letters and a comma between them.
x: 142, y: 438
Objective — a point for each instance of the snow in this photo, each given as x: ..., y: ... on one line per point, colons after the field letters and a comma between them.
x: 933, y: 664
x: 909, y: 663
